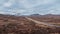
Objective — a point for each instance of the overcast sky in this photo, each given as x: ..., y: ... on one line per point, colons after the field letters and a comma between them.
x: 27, y: 7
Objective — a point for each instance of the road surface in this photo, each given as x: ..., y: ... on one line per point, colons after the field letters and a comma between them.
x: 42, y: 23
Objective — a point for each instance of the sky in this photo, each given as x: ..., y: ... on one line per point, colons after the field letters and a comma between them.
x: 28, y: 7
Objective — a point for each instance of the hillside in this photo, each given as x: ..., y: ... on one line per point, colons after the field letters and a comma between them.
x: 10, y: 24
x: 49, y: 18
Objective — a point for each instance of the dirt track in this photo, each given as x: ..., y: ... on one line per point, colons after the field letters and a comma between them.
x: 42, y: 23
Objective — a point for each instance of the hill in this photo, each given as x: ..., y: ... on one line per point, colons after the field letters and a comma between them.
x: 10, y: 24
x: 49, y: 18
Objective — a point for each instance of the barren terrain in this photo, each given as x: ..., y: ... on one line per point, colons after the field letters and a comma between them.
x: 10, y: 24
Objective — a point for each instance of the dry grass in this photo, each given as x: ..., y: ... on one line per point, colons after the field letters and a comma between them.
x: 20, y: 25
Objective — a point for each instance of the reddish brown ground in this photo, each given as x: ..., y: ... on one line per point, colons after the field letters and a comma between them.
x: 20, y: 25
x: 49, y: 18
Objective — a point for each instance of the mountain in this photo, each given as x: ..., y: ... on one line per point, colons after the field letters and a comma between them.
x: 35, y: 15
x: 47, y: 15
x: 11, y: 24
x: 49, y: 18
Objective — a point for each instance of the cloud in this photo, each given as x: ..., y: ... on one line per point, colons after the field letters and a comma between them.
x: 54, y: 9
x: 34, y: 3
x: 7, y: 4
x: 26, y: 7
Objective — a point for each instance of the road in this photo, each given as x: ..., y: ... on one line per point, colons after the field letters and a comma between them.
x: 42, y: 23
